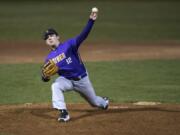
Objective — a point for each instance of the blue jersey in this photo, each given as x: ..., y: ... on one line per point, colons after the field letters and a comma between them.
x: 66, y: 55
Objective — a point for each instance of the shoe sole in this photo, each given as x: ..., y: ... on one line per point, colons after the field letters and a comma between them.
x: 64, y: 119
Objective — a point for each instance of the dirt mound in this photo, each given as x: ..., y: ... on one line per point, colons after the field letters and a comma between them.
x: 125, y: 119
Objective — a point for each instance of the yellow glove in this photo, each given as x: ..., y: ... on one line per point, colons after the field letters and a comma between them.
x: 49, y: 69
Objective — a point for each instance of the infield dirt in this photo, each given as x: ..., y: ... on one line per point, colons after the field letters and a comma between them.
x: 119, y: 119
x: 20, y: 52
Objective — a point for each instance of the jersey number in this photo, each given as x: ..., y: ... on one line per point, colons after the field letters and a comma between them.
x: 69, y: 60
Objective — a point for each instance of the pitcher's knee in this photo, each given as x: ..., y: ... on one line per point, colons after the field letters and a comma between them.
x: 55, y: 86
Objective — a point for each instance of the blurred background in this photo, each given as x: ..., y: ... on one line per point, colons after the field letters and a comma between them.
x: 119, y: 20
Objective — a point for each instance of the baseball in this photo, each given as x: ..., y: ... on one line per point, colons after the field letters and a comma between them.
x: 94, y: 9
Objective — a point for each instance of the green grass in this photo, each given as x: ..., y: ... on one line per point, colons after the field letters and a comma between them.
x: 119, y: 20
x: 122, y: 81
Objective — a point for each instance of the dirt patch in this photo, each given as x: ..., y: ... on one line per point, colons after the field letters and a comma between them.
x: 125, y: 119
x: 130, y: 51
x: 20, y: 52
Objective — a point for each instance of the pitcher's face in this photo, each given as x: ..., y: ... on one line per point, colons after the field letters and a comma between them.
x: 52, y: 40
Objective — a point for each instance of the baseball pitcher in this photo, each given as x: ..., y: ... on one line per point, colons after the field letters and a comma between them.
x: 64, y: 59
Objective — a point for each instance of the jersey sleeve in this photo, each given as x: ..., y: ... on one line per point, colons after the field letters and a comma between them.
x: 83, y: 35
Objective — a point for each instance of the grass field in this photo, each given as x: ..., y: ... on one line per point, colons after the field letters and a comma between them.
x: 119, y: 20
x: 123, y: 81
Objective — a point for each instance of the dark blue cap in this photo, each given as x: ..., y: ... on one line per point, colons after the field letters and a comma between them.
x: 48, y: 32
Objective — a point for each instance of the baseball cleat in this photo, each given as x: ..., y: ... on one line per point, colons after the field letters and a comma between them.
x: 64, y: 116
x: 107, y: 103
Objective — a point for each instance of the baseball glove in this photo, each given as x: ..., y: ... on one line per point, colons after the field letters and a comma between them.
x: 49, y: 69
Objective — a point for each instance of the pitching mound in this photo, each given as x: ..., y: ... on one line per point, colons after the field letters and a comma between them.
x: 119, y: 119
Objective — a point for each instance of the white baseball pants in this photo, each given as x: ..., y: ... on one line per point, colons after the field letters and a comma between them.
x: 83, y: 86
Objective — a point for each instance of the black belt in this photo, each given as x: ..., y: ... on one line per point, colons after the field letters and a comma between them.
x: 77, y: 78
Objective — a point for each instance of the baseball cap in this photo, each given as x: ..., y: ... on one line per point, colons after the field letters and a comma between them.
x: 48, y: 32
